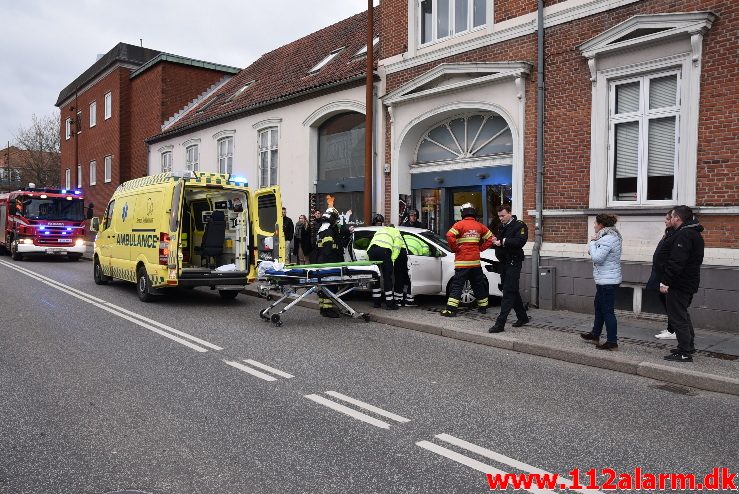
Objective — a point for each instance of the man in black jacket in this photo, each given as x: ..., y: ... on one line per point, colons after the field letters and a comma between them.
x: 512, y: 236
x: 678, y: 268
x: 288, y: 229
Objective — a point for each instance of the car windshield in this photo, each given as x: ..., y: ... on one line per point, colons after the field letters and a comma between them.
x: 55, y: 208
x: 435, y: 238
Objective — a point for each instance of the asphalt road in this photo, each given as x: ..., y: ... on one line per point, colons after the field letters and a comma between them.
x: 192, y: 394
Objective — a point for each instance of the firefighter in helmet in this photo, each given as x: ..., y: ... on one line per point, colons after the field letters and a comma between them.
x: 331, y: 241
x: 467, y: 238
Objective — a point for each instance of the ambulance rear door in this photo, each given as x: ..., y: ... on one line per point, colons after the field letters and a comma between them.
x: 265, y: 215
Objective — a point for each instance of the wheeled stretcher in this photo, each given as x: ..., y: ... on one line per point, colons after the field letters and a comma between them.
x: 333, y: 281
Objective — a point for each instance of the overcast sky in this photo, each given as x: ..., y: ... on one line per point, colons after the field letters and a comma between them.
x: 46, y: 44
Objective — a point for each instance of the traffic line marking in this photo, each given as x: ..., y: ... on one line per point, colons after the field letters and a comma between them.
x: 274, y: 371
x: 150, y: 324
x: 249, y: 370
x: 367, y: 406
x: 348, y: 411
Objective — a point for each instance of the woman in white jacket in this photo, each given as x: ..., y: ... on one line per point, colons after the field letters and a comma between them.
x: 605, y: 251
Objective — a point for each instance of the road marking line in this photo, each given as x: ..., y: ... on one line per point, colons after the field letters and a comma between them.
x: 348, y: 411
x: 367, y: 406
x: 277, y: 372
x: 249, y: 370
x: 469, y: 462
x: 505, y: 459
x: 112, y: 311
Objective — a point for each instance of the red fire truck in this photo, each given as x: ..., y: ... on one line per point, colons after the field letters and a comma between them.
x: 41, y: 221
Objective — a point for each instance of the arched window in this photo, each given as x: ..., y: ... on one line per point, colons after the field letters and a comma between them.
x: 465, y: 138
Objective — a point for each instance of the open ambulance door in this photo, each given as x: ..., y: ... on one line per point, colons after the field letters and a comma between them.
x: 265, y: 216
x: 174, y: 256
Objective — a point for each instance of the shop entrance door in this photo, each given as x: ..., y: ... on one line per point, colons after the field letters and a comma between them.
x: 461, y: 195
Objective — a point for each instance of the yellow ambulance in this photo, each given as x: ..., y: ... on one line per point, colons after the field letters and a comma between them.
x: 187, y: 229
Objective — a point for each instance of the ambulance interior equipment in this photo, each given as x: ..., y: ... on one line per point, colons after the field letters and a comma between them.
x: 333, y: 280
x: 215, y: 230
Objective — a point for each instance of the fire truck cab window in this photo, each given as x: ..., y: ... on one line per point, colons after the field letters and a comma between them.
x: 52, y: 209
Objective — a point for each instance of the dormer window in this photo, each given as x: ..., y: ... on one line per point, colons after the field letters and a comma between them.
x: 210, y: 103
x: 441, y: 19
x: 316, y: 68
x: 363, y: 51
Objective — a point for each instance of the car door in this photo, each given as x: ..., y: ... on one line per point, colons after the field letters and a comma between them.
x: 424, y: 266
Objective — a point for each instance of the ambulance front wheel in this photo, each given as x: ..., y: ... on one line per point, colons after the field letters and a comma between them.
x: 143, y: 285
x: 97, y: 273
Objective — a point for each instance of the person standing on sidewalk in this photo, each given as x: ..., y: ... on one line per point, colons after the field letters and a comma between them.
x: 605, y: 251
x: 678, y: 270
x: 301, y: 240
x: 385, y: 247
x: 512, y: 236
x: 653, y: 283
x: 331, y: 243
x: 467, y: 238
x: 288, y: 228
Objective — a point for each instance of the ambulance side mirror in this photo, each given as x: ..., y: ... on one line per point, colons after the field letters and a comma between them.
x: 95, y: 224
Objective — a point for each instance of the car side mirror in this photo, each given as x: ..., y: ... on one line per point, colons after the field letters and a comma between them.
x: 95, y: 224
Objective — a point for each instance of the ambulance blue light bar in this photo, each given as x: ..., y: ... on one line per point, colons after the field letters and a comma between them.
x: 238, y: 180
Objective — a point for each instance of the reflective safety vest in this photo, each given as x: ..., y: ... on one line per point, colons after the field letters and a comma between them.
x: 416, y: 246
x: 467, y: 238
x: 388, y: 237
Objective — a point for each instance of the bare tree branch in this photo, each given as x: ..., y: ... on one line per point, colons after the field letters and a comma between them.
x: 40, y: 145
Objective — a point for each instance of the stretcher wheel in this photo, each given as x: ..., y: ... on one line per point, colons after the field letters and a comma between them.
x: 366, y: 317
x: 276, y: 320
x: 263, y: 315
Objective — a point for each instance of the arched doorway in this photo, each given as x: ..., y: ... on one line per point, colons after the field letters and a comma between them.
x: 463, y: 158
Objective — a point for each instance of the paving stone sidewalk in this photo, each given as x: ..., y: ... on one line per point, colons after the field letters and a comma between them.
x: 555, y: 334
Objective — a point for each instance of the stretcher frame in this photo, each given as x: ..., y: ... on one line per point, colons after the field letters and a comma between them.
x: 333, y: 286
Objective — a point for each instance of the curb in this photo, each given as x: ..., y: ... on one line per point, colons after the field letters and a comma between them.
x: 658, y: 372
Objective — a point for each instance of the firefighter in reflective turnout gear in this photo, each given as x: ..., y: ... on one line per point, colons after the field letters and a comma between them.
x: 467, y: 238
x: 385, y: 246
x: 331, y: 241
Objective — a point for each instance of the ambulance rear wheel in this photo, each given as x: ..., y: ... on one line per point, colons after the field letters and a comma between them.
x: 228, y: 294
x: 97, y: 273
x: 143, y: 285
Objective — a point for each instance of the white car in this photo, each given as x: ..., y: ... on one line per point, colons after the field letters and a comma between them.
x: 430, y: 274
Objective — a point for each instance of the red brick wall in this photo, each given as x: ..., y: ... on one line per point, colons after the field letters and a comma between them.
x: 568, y: 103
x: 721, y: 231
x: 97, y: 142
x: 393, y: 27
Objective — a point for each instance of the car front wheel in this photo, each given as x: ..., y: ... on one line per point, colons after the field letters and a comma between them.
x: 467, y: 298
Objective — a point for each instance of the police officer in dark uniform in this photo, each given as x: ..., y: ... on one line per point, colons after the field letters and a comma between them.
x: 512, y: 236
x: 412, y: 219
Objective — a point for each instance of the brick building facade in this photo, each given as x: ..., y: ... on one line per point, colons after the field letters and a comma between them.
x: 108, y: 110
x: 674, y: 61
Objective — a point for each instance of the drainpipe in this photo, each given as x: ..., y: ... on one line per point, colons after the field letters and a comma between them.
x: 539, y: 154
x: 369, y: 114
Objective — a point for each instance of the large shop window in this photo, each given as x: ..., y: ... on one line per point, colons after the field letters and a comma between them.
x: 268, y: 157
x: 643, y: 138
x: 466, y: 138
x: 341, y: 165
x: 441, y: 19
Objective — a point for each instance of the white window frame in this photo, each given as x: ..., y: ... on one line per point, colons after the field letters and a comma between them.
x: 643, y: 116
x: 452, y: 11
x: 165, y: 161
x: 225, y: 161
x: 271, y: 146
x: 192, y: 163
x: 108, y: 104
x: 79, y: 177
x: 108, y: 169
x: 93, y: 114
x: 68, y: 179
x: 93, y: 172
x: 67, y: 129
